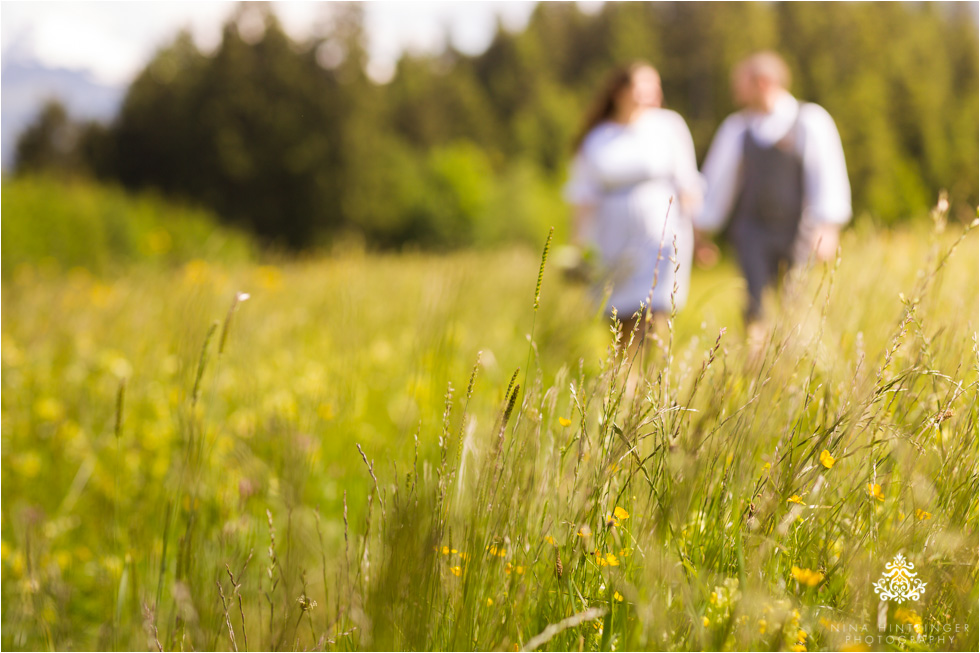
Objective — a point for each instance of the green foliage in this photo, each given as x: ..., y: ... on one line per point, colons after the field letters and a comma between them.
x: 884, y: 81
x: 102, y: 229
x: 234, y: 131
x: 523, y: 205
x: 459, y: 177
x: 293, y: 142
x: 180, y: 472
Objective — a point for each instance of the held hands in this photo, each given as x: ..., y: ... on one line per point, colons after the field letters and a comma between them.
x: 824, y: 242
x: 706, y: 253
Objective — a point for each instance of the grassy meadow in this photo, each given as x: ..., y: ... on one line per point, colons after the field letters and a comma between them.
x: 421, y: 452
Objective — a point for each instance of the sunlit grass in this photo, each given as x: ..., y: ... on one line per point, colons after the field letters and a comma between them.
x: 510, y: 493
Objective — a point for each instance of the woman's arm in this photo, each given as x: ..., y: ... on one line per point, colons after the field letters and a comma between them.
x: 582, y: 192
x: 689, y: 180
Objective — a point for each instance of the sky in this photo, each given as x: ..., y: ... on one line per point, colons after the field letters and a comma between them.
x: 114, y: 40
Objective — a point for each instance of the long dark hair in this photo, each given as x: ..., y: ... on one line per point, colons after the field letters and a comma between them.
x: 604, y: 105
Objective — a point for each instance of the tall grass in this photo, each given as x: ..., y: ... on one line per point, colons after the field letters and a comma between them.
x: 311, y: 474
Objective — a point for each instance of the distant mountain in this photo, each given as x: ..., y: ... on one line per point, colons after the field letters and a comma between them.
x: 26, y: 85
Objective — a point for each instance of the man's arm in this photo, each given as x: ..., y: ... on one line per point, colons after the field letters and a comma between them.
x: 827, y: 191
x: 824, y: 241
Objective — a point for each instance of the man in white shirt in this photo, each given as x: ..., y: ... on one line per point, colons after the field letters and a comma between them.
x: 775, y: 177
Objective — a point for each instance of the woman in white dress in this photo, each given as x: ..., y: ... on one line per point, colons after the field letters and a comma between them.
x: 632, y: 158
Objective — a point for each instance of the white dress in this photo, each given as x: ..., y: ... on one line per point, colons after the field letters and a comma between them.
x: 629, y: 173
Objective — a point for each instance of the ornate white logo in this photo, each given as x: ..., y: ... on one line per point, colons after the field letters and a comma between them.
x: 899, y: 582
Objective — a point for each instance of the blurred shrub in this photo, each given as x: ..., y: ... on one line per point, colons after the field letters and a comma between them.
x: 460, y: 181
x: 523, y: 206
x: 452, y: 197
x: 100, y: 228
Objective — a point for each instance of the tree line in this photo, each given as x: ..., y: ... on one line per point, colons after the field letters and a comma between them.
x: 294, y: 142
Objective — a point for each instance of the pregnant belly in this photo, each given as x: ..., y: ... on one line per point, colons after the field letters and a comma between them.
x: 651, y: 206
x: 635, y: 214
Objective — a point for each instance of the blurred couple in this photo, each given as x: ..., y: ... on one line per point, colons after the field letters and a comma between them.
x: 774, y: 180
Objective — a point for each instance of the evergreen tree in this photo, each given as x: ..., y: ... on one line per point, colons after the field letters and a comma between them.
x: 294, y: 141
x: 50, y: 143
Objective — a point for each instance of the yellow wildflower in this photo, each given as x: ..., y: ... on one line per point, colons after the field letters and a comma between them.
x: 605, y: 560
x: 762, y: 626
x: 796, y: 499
x: 29, y: 464
x: 584, y: 531
x: 611, y: 521
x: 457, y: 570
x: 874, y: 490
x: 800, y: 641
x: 910, y: 617
x: 826, y: 459
x: 550, y: 540
x: 196, y: 271
x: 445, y: 550
x: 325, y: 411
x: 49, y: 409
x: 269, y: 277
x: 807, y: 577
x: 625, y: 553
x: 489, y: 601
x: 922, y: 514
x: 564, y: 421
x: 706, y: 621
x: 617, y: 597
x: 620, y: 514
